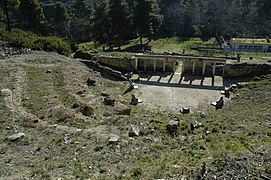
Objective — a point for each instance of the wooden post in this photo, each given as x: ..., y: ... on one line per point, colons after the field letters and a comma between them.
x: 194, y: 66
x: 214, y: 64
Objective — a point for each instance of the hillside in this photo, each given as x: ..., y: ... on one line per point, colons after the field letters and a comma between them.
x: 70, y: 133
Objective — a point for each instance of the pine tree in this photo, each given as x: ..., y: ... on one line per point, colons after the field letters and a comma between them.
x: 119, y: 21
x: 61, y: 20
x: 100, y: 23
x: 81, y: 8
x: 5, y: 4
x: 33, y: 16
x: 80, y: 22
x: 147, y: 19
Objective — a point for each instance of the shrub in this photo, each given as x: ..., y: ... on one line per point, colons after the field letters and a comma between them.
x: 19, y: 38
x: 82, y: 55
x: 53, y: 43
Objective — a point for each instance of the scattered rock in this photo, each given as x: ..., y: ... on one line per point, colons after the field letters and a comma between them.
x: 134, y: 131
x: 91, y: 82
x: 36, y: 120
x: 88, y: 110
x: 104, y: 94
x: 107, y: 113
x: 67, y: 140
x: 195, y: 125
x: 226, y: 91
x: 185, y: 110
x: 132, y: 85
x: 256, y: 78
x: 241, y: 84
x: 122, y: 109
x: 202, y: 114
x: 16, y: 137
x: 234, y: 86
x: 75, y: 105
x: 2, y: 55
x: 62, y: 113
x: 8, y: 51
x: 218, y: 104
x: 8, y: 128
x: 172, y: 126
x: 128, y: 75
x: 80, y: 92
x: 114, y: 139
x: 49, y: 71
x: 109, y: 101
x: 135, y: 100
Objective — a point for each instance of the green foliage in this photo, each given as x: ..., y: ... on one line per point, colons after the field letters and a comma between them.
x: 111, y: 23
x: 61, y: 20
x: 111, y: 20
x: 161, y: 45
x: 100, y: 23
x: 19, y: 38
x: 81, y: 8
x: 147, y: 19
x: 82, y: 55
x: 81, y: 12
x: 5, y: 4
x: 119, y: 22
x: 10, y: 2
x: 53, y: 43
x: 32, y: 16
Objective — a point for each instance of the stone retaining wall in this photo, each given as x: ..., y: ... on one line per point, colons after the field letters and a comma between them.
x: 118, y: 63
x: 235, y: 70
x: 231, y: 70
x: 104, y: 70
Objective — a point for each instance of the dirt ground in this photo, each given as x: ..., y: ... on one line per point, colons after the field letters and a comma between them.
x: 44, y: 96
x: 171, y: 92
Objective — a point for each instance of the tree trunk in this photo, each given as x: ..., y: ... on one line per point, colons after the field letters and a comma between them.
x: 141, y: 44
x: 110, y: 48
x: 149, y: 40
x: 119, y: 49
x: 7, y: 16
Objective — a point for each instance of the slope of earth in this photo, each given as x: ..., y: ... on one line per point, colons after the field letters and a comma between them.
x: 69, y: 133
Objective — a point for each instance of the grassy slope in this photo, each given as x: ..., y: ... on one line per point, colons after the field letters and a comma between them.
x: 176, y: 45
x: 240, y: 130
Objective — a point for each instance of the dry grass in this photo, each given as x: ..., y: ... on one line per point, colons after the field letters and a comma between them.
x: 234, y: 138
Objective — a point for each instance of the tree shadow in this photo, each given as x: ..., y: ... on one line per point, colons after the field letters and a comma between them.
x: 137, y: 48
x: 184, y: 81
